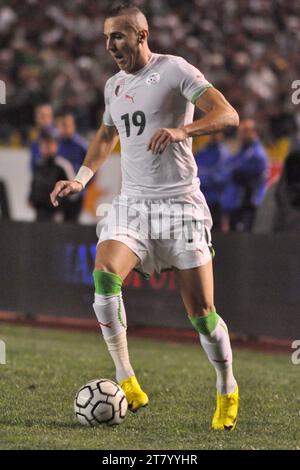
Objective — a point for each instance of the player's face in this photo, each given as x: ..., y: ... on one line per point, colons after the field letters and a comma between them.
x: 122, y: 43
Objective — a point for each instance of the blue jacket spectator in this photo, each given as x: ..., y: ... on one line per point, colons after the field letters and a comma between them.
x: 45, y: 124
x: 247, y: 172
x: 71, y: 145
x: 211, y: 162
x: 73, y: 148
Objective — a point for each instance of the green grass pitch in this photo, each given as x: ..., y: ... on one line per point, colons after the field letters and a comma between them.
x: 45, y: 368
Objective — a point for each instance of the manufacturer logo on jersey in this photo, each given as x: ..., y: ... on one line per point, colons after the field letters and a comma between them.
x: 153, y: 78
x: 119, y: 87
x: 130, y: 98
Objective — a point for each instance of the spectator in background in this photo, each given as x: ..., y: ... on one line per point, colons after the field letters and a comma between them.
x: 211, y: 162
x: 50, y: 50
x: 280, y: 208
x: 48, y: 170
x: 73, y: 148
x: 71, y: 145
x: 247, y: 172
x: 44, y: 121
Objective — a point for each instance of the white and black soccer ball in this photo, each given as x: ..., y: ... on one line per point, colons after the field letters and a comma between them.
x: 100, y: 401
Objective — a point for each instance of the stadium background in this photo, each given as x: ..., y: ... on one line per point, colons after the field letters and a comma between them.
x: 53, y: 52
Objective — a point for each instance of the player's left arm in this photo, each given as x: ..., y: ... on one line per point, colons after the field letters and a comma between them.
x: 219, y: 114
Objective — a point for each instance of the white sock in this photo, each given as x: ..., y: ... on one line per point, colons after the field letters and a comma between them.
x: 218, y: 349
x: 117, y: 346
x: 111, y: 315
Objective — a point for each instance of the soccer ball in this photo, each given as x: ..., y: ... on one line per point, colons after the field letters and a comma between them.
x: 100, y: 401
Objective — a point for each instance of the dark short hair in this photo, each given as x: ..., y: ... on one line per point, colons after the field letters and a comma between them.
x: 42, y: 104
x: 64, y: 114
x: 120, y: 8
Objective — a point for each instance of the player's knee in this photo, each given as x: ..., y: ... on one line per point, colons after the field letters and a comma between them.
x: 107, y: 283
x: 201, y: 310
x: 205, y: 324
x: 105, y: 266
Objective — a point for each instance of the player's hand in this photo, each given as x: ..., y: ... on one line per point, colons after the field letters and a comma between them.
x: 63, y: 189
x: 163, y: 137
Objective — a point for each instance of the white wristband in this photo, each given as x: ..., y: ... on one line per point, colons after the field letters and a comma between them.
x: 84, y: 175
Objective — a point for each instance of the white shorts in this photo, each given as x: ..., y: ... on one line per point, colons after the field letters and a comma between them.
x: 163, y: 233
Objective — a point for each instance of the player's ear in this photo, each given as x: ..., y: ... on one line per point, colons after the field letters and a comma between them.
x: 142, y: 36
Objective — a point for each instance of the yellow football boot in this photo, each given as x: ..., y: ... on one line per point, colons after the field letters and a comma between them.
x: 225, y: 416
x: 135, y: 396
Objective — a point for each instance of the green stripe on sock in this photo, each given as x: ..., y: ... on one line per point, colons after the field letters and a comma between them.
x: 120, y: 312
x: 205, y: 325
x: 107, y: 283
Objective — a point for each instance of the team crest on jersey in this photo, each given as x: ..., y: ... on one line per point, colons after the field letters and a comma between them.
x: 153, y: 78
x: 119, y: 86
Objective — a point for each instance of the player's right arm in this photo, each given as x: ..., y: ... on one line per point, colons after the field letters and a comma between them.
x: 100, y: 147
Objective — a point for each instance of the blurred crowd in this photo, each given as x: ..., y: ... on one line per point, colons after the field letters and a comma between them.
x: 54, y: 52
x: 234, y: 183
x: 57, y: 153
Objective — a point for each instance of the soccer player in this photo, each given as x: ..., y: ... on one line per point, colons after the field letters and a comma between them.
x: 149, y: 105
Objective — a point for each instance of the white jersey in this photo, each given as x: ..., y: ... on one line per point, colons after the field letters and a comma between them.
x: 161, y: 94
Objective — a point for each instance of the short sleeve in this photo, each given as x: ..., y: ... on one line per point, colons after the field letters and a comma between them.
x: 190, y: 81
x: 107, y: 119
